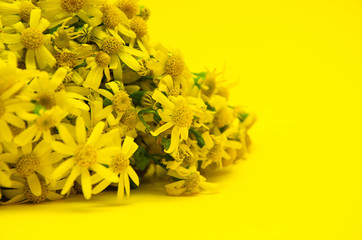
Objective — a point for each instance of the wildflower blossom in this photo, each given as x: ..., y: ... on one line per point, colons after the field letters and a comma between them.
x: 120, y: 165
x: 83, y: 154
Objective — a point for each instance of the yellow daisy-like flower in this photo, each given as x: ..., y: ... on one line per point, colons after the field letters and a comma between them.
x: 215, y: 147
x: 58, y: 11
x: 189, y: 184
x: 41, y: 127
x: 129, y: 7
x: 169, y: 63
x: 98, y: 65
x: 121, y: 101
x: 186, y: 156
x: 20, y: 192
x: 33, y: 39
x: 178, y: 113
x: 29, y: 162
x: 84, y: 154
x: 50, y: 92
x: 131, y: 123
x: 120, y: 165
x: 114, y: 45
x: 116, y: 20
x: 16, y: 11
x: 13, y: 109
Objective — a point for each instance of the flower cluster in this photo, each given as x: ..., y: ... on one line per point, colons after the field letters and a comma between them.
x: 87, y: 102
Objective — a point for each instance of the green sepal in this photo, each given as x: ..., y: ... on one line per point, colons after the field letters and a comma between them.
x: 137, y: 97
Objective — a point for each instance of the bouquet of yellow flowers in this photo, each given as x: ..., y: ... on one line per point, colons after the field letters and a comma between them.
x: 87, y: 102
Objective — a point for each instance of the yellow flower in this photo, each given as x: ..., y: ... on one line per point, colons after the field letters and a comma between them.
x: 178, y: 113
x: 129, y: 7
x: 41, y: 127
x: 20, y: 192
x: 120, y: 165
x: 98, y: 65
x: 58, y: 11
x: 187, y: 155
x: 189, y: 184
x: 224, y: 115
x: 116, y: 20
x: 16, y: 11
x: 169, y: 63
x: 121, y: 101
x: 33, y: 39
x: 131, y: 123
x: 214, y: 150
x: 13, y: 109
x: 51, y: 92
x: 83, y: 154
x: 114, y: 45
x: 29, y: 162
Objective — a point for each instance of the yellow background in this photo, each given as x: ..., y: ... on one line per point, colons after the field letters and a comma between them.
x: 299, y: 65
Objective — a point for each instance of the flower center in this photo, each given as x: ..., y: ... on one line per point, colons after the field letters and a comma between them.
x: 27, y: 164
x: 45, y: 122
x: 119, y: 163
x: 66, y: 59
x: 2, y: 108
x: 139, y: 26
x: 32, y: 38
x: 46, y: 100
x: 129, y: 7
x: 36, y: 199
x: 85, y: 155
x: 192, y: 182
x: 223, y: 117
x: 111, y: 45
x: 25, y: 9
x: 72, y: 6
x: 112, y: 16
x: 121, y: 102
x: 130, y: 119
x: 175, y: 65
x: 182, y: 114
x: 102, y: 59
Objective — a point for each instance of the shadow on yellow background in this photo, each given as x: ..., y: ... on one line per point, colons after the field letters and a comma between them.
x: 300, y: 69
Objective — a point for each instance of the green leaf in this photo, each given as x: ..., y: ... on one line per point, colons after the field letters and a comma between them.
x: 141, y: 158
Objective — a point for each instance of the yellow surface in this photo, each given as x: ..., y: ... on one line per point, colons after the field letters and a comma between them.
x: 299, y: 63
